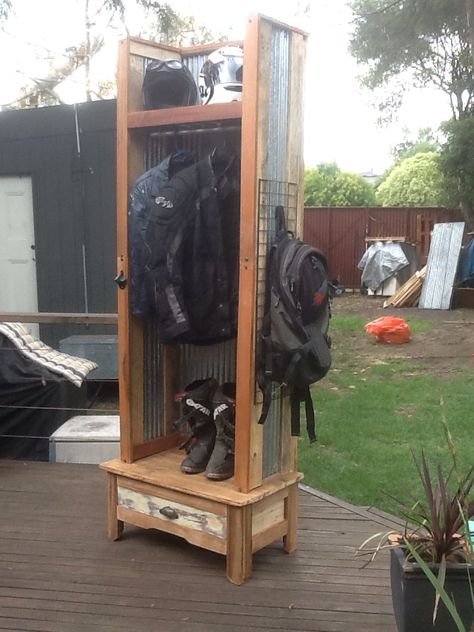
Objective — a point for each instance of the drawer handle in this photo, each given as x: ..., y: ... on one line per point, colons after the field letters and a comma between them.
x: 169, y: 512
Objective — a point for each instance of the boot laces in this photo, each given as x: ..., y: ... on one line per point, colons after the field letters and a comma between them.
x: 191, y: 423
x: 225, y: 425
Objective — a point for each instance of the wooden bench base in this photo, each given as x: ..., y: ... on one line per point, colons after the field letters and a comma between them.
x: 154, y: 493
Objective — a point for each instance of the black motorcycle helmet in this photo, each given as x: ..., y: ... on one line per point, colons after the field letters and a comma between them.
x: 168, y: 84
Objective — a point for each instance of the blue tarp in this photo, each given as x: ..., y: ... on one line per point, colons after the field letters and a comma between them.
x: 466, y: 266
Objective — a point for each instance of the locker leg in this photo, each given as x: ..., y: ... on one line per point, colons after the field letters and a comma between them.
x: 239, y: 544
x: 114, y: 526
x: 291, y: 515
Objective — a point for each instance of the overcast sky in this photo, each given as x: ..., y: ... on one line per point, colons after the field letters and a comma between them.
x: 340, y: 121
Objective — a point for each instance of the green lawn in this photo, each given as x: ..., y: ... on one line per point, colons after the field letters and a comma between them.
x: 369, y: 421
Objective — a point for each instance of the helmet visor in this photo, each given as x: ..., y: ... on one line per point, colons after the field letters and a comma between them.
x: 223, y: 66
x: 229, y: 70
x: 168, y: 84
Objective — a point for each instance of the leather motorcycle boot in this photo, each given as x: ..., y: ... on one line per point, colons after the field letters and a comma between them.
x: 196, y: 405
x: 221, y: 463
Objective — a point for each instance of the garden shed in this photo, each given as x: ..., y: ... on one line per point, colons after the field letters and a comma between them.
x: 57, y: 212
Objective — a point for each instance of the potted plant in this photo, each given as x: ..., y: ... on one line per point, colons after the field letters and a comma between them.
x: 431, y: 565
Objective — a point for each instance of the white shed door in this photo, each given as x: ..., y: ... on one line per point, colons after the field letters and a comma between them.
x: 18, y: 289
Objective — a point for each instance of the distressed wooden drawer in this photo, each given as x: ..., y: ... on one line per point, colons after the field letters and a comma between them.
x: 199, y: 521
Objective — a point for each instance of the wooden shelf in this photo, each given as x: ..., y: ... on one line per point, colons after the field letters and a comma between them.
x: 162, y: 470
x: 190, y: 114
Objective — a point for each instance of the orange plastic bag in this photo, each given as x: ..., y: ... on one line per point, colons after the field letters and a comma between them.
x: 394, y: 331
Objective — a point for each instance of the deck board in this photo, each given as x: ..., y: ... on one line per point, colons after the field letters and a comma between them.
x: 60, y: 573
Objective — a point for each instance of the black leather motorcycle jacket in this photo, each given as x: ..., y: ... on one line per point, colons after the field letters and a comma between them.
x: 144, y: 191
x: 189, y: 268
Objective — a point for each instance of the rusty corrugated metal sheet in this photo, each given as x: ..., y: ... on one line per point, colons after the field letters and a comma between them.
x: 340, y: 232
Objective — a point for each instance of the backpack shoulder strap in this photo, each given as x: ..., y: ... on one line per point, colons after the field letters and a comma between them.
x: 280, y: 219
x: 306, y: 250
x: 264, y: 371
x: 297, y: 396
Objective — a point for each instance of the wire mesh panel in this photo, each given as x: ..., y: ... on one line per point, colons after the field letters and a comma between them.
x: 272, y: 193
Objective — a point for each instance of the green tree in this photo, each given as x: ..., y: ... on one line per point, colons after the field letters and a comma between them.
x: 5, y: 8
x: 160, y: 21
x: 424, y: 142
x: 175, y: 29
x: 416, y: 42
x: 457, y: 163
x: 327, y: 185
x: 415, y: 181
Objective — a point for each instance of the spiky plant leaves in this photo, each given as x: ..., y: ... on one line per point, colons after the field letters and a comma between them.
x: 439, y: 588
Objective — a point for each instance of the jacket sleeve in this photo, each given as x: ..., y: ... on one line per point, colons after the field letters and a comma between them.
x: 138, y: 212
x: 172, y: 210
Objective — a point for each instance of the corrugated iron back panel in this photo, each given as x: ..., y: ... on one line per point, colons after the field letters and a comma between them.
x: 341, y: 232
x: 195, y: 63
x: 198, y: 362
x: 278, y: 107
x: 214, y: 360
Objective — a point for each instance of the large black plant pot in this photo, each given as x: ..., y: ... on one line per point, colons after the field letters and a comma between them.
x: 413, y: 596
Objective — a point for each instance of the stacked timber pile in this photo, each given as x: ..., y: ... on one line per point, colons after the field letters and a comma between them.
x: 409, y: 294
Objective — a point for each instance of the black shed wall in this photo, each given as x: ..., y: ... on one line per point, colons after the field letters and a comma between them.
x: 69, y: 151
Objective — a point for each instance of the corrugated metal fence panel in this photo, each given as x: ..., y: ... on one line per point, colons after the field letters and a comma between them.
x: 442, y: 265
x: 340, y: 232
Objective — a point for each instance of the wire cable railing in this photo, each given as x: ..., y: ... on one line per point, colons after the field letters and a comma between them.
x: 34, y: 399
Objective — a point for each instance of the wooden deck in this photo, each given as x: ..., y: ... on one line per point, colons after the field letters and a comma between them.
x: 59, y: 572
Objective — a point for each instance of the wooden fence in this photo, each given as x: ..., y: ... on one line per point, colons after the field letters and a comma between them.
x: 343, y: 233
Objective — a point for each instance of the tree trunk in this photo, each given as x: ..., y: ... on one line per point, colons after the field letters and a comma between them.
x: 465, y: 204
x: 468, y: 214
x: 470, y: 25
x: 87, y: 53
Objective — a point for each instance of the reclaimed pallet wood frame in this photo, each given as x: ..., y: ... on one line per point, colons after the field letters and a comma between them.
x: 145, y: 486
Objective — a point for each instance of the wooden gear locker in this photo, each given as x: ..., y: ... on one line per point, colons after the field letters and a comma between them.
x: 146, y: 488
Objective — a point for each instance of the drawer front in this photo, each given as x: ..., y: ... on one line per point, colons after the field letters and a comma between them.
x: 173, y: 512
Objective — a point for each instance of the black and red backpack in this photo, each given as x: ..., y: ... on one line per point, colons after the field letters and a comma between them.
x: 294, y: 346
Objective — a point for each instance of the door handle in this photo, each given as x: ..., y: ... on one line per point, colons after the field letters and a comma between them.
x: 121, y: 280
x: 169, y: 512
